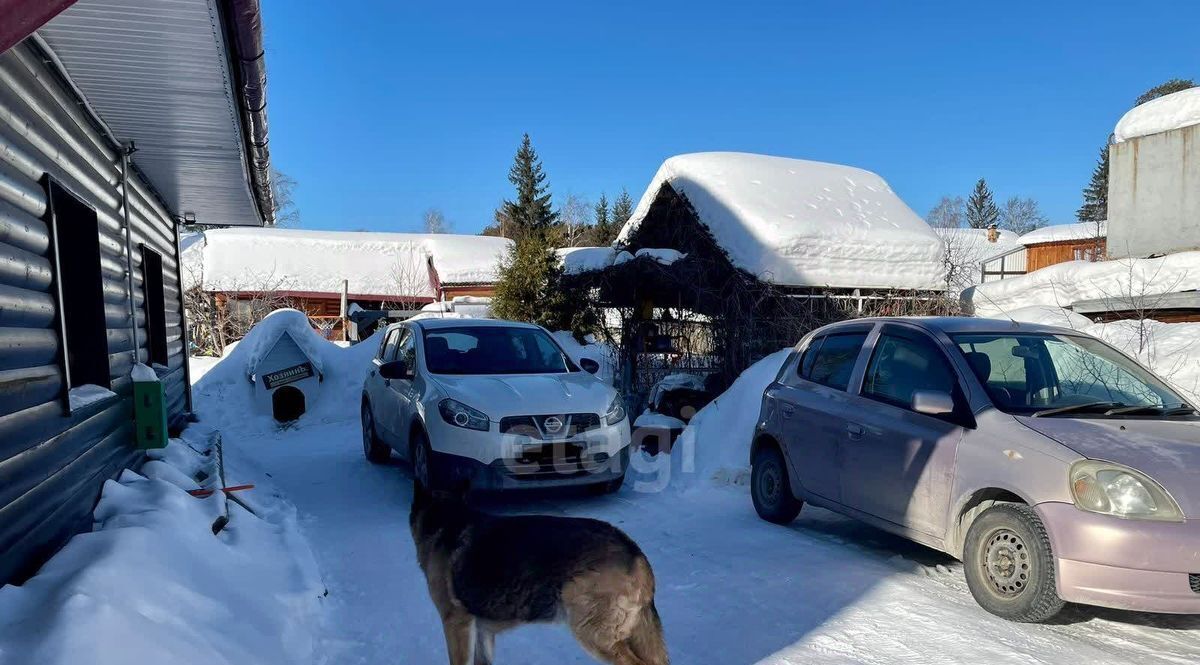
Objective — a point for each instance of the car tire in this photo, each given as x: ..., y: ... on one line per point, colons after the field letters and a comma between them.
x: 1009, y: 565
x: 376, y: 451
x: 770, y: 488
x: 424, y: 468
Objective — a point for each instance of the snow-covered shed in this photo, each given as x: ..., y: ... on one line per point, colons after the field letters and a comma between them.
x: 728, y: 256
x: 310, y: 269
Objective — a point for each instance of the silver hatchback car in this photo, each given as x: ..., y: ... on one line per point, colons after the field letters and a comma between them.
x: 1054, y: 466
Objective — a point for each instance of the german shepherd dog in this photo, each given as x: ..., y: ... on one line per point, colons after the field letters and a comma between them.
x: 488, y: 573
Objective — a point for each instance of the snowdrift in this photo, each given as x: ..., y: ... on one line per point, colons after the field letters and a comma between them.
x: 152, y: 584
x: 1062, y: 284
x: 715, y: 446
x: 224, y: 395
x: 802, y: 223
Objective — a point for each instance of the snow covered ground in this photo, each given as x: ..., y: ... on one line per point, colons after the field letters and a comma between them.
x: 732, y: 589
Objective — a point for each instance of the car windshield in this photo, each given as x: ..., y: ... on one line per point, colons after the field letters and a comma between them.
x: 1064, y: 375
x: 493, y: 350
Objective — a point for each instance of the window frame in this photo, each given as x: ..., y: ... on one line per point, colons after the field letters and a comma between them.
x: 84, y: 330
x: 817, y: 343
x: 154, y: 303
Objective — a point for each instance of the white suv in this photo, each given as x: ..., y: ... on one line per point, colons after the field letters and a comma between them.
x: 493, y: 405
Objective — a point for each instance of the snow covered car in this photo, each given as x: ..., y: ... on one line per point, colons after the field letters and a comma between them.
x: 1055, y: 467
x: 493, y: 404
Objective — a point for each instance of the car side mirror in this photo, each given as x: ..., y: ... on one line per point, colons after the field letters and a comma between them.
x: 932, y: 402
x: 396, y: 369
x: 590, y: 366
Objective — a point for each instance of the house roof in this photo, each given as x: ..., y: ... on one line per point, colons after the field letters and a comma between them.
x: 185, y: 82
x: 383, y: 265
x: 800, y: 223
x: 1064, y: 233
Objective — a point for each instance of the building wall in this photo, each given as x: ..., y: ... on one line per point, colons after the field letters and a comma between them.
x: 1154, y: 194
x: 449, y: 291
x: 52, y: 465
x: 1053, y: 253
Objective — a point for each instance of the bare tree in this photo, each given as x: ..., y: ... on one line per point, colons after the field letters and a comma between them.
x: 1021, y: 215
x: 410, y: 279
x: 574, y: 218
x: 219, y: 317
x: 963, y: 255
x: 287, y: 215
x: 949, y: 213
x: 435, y: 221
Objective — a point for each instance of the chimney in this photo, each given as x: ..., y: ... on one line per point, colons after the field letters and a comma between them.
x: 993, y: 234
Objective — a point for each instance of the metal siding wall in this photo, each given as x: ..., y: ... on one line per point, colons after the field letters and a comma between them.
x: 52, y: 466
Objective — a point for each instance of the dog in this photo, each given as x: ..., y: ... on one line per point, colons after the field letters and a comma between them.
x: 489, y: 573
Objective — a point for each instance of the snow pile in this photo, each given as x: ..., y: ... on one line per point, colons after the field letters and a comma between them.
x: 1048, y: 315
x: 654, y: 420
x: 802, y: 223
x: 375, y: 264
x: 88, y: 394
x: 1063, y: 284
x: 673, y: 381
x: 1173, y: 111
x: 716, y: 444
x: 1064, y: 233
x: 224, y: 395
x: 467, y: 307
x: 603, y: 354
x: 152, y: 584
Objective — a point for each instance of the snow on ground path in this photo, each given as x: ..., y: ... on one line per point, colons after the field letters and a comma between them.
x: 732, y: 589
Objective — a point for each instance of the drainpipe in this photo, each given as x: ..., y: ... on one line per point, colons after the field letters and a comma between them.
x: 183, y: 325
x: 128, y: 149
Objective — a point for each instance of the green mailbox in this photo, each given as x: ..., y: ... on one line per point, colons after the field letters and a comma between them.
x: 149, y: 409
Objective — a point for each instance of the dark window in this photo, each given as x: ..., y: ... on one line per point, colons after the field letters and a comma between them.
x: 901, y: 366
x: 493, y: 350
x: 833, y: 362
x: 79, y: 292
x: 155, y: 302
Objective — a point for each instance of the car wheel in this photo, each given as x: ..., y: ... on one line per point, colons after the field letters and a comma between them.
x: 375, y: 450
x: 1009, y: 565
x: 422, y: 462
x: 770, y: 489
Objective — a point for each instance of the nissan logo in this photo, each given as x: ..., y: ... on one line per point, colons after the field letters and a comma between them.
x: 553, y: 425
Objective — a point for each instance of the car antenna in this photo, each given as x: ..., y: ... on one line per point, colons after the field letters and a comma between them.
x: 997, y: 306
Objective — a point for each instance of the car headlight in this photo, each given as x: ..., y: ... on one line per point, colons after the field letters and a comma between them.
x: 616, y: 411
x: 1113, y: 489
x: 460, y: 415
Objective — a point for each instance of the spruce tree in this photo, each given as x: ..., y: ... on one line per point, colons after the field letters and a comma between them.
x: 603, y: 232
x: 622, y: 210
x: 1095, y: 195
x: 532, y: 211
x: 981, y: 207
x: 531, y: 285
x: 1172, y: 86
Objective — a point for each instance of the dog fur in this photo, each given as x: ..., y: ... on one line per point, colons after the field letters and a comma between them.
x: 488, y: 573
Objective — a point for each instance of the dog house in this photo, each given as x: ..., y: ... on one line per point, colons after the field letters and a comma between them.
x: 286, y: 379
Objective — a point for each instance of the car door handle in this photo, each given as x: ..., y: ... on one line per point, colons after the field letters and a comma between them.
x: 787, y: 410
x: 855, y: 431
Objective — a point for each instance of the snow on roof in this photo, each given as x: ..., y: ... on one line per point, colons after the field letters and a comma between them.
x: 802, y: 223
x: 975, y: 243
x: 1064, y: 284
x: 579, y: 260
x: 1173, y: 111
x: 266, y: 333
x: 376, y: 264
x: 1064, y: 232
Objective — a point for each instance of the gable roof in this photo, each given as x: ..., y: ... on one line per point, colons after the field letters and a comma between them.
x: 800, y: 223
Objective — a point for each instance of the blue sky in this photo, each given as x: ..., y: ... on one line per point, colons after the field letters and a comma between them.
x: 381, y: 110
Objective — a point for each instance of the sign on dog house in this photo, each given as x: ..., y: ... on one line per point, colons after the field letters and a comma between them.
x: 286, y: 378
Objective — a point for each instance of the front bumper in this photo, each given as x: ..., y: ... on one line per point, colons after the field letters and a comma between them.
x: 491, y: 460
x: 1124, y: 564
x: 503, y: 475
